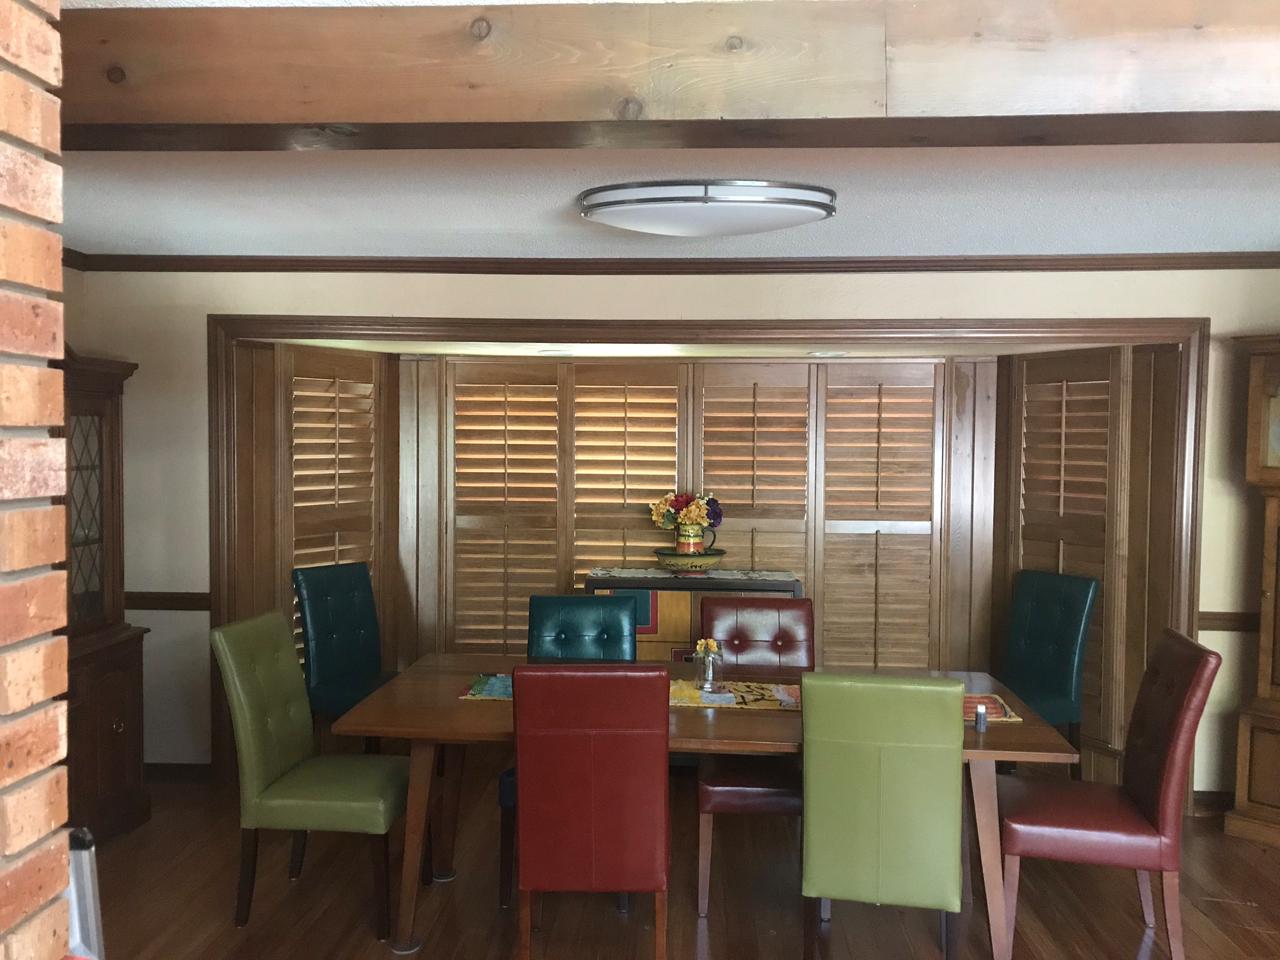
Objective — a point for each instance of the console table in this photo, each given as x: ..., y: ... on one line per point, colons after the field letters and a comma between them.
x: 713, y: 581
x: 668, y: 620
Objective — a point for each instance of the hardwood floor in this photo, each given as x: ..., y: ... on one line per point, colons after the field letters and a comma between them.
x: 168, y: 890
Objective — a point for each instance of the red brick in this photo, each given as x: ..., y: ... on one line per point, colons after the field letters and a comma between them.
x: 32, y: 741
x: 30, y: 42
x: 30, y: 396
x: 43, y: 937
x: 29, y: 114
x: 32, y: 809
x: 32, y: 467
x: 32, y: 605
x: 30, y: 325
x: 30, y: 881
x: 30, y: 184
x: 31, y: 673
x: 30, y: 255
x: 32, y: 538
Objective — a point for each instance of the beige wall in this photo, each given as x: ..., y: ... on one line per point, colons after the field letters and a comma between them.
x: 159, y: 321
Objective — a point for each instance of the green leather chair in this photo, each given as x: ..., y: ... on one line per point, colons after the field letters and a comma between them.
x: 284, y: 783
x: 883, y: 779
x: 1043, y: 660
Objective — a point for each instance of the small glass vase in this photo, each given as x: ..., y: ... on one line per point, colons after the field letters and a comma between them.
x: 707, y: 672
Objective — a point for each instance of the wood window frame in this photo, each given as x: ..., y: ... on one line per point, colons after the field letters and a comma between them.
x: 1190, y: 333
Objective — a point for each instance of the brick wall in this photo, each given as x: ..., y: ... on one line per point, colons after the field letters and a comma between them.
x: 33, y: 662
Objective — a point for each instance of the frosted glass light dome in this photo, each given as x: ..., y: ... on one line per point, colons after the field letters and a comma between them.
x: 707, y: 208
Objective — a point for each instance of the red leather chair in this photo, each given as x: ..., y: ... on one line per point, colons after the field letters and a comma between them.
x: 1137, y: 825
x: 752, y: 632
x: 591, y: 781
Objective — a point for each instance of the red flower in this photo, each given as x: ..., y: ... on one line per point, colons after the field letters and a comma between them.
x: 680, y: 501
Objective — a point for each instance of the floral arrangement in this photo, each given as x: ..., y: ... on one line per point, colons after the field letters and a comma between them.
x: 706, y: 647
x: 700, y: 509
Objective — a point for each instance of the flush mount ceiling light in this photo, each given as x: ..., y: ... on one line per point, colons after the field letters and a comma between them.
x: 707, y: 208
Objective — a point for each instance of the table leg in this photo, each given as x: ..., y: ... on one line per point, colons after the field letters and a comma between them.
x: 422, y: 769
x: 444, y: 831
x: 986, y: 816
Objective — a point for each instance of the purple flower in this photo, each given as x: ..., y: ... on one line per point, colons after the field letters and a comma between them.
x: 714, y: 513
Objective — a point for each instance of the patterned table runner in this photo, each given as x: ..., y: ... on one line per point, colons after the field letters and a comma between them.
x: 997, y: 710
x: 737, y: 695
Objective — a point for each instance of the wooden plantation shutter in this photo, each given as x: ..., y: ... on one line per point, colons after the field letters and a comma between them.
x: 878, y: 544
x: 332, y: 477
x: 503, y: 432
x: 333, y: 430
x: 1066, y: 410
x: 626, y: 435
x: 754, y: 428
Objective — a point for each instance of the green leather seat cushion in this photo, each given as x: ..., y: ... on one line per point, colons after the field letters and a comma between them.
x: 342, y: 792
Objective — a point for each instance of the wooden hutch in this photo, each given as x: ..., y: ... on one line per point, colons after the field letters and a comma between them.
x: 104, y: 699
x: 1257, y: 811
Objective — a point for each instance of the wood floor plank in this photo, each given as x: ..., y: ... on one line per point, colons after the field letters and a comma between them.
x: 168, y: 890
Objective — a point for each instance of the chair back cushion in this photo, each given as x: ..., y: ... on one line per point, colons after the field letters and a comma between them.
x: 1044, y: 655
x: 591, y: 775
x: 1162, y: 732
x: 339, y: 626
x: 883, y: 768
x: 761, y: 631
x: 269, y: 709
x: 582, y: 628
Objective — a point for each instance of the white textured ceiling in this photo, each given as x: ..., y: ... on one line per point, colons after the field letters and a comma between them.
x: 495, y: 203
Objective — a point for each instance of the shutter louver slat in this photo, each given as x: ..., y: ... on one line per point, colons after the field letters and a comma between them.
x: 1065, y: 485
x: 878, y: 442
x: 625, y: 426
x: 755, y: 452
x: 505, y: 476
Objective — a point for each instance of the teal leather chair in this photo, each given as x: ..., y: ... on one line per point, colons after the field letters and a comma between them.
x: 340, y: 640
x: 284, y: 783
x: 1043, y: 659
x: 581, y: 629
x: 883, y: 781
x: 568, y: 629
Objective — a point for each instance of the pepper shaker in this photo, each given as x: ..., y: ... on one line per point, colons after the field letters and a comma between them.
x: 980, y: 719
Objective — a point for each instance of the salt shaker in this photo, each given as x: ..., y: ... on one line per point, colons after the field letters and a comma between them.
x: 980, y: 719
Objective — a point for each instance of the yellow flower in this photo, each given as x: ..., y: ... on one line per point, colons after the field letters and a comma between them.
x: 658, y: 509
x: 695, y: 512
x: 707, y: 646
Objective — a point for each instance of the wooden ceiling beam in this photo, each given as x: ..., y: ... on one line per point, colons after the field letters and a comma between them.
x: 764, y: 72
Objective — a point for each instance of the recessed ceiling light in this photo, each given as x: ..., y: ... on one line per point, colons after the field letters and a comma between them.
x: 828, y: 354
x: 707, y: 208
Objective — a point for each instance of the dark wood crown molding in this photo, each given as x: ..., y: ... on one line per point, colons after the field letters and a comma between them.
x: 559, y: 266
x: 840, y: 132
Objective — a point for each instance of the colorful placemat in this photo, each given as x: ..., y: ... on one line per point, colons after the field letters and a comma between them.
x: 737, y: 694
x: 488, y: 686
x: 997, y: 710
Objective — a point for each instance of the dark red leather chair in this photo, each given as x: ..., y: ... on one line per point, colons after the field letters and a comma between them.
x: 591, y: 781
x: 752, y: 632
x: 1137, y: 825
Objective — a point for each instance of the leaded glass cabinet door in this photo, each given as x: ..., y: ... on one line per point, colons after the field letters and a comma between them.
x: 95, y: 534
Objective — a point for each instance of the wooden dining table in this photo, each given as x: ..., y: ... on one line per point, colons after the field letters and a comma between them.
x: 424, y: 706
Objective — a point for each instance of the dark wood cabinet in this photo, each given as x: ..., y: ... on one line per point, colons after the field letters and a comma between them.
x: 1257, y: 811
x: 104, y: 696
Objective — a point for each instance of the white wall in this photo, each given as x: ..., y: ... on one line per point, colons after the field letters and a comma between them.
x: 159, y: 321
